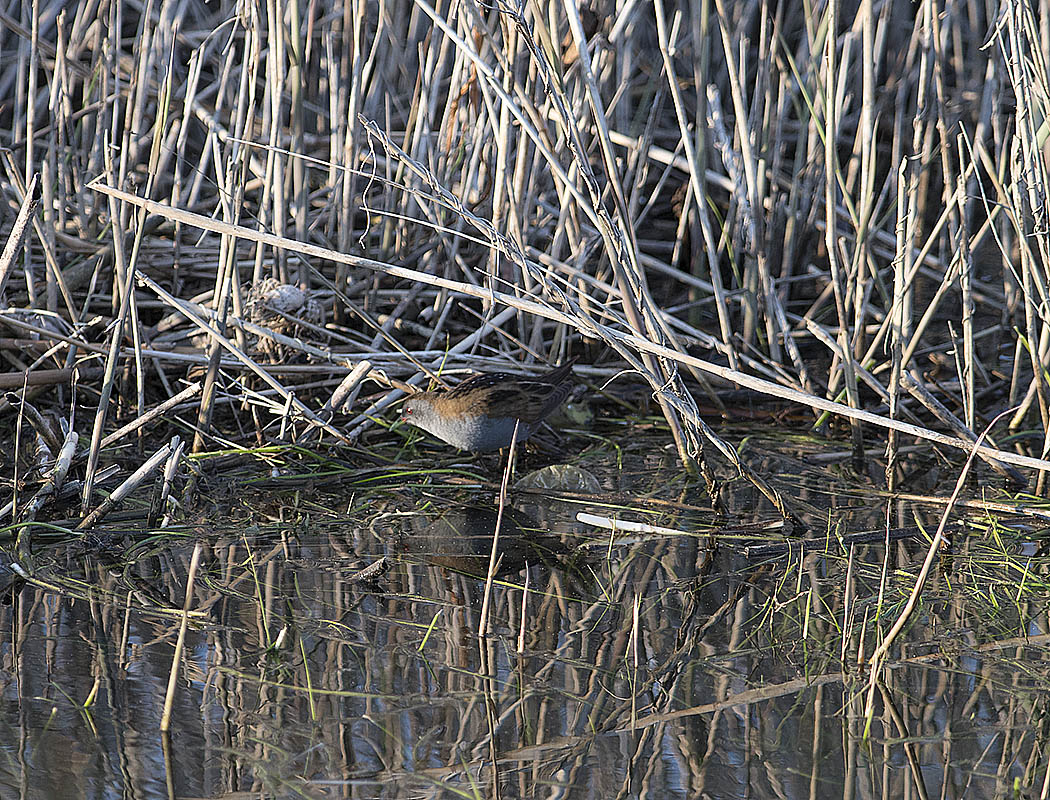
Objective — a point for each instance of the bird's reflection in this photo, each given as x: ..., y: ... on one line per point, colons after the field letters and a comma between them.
x: 460, y: 539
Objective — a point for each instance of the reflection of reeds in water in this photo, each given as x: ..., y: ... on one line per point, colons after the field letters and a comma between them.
x: 651, y: 663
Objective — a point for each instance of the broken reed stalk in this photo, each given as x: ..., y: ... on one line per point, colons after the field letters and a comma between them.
x: 55, y: 480
x: 128, y: 486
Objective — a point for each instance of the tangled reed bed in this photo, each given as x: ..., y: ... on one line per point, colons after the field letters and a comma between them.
x: 236, y: 221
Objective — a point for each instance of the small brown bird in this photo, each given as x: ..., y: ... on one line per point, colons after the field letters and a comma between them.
x: 480, y: 413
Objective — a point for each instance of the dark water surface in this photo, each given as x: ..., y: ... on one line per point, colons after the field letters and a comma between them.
x: 665, y: 662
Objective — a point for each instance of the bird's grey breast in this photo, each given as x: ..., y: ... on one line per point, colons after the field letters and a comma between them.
x: 483, y: 433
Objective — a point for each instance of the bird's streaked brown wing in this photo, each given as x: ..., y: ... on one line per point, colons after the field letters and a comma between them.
x: 500, y: 394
